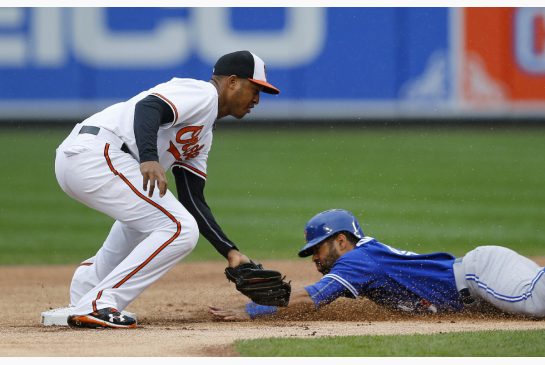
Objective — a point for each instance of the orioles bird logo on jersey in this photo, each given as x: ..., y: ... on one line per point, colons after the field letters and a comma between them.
x: 188, y: 138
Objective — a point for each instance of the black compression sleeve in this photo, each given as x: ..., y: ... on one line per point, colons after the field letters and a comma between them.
x: 190, y: 189
x: 149, y: 113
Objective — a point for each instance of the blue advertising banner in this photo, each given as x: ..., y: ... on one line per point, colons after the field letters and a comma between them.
x: 328, y: 62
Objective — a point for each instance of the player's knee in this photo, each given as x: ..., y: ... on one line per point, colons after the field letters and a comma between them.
x: 189, y: 231
x: 193, y: 231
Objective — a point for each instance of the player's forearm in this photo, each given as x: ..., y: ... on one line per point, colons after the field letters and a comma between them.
x: 299, y: 297
x: 191, y: 194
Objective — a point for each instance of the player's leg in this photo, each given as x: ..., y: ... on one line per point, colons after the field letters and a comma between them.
x: 120, y: 242
x: 84, y: 277
x: 150, y: 259
x: 171, y: 231
x: 83, y: 280
x: 507, y: 280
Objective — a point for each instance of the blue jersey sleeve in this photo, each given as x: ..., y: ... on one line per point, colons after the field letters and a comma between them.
x: 325, y: 291
x: 350, y: 275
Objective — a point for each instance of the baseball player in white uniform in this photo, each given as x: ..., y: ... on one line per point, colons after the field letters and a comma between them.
x: 115, y: 162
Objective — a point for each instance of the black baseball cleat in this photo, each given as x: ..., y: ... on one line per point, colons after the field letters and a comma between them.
x: 103, y: 318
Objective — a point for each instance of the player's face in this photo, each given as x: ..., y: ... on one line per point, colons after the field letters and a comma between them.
x: 245, y: 97
x: 325, y: 255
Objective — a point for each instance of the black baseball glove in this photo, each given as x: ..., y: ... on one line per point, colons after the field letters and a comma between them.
x: 265, y: 287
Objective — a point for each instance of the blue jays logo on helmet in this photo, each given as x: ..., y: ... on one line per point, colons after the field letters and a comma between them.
x: 325, y: 224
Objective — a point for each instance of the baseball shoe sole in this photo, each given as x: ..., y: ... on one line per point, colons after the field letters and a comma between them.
x: 103, y: 318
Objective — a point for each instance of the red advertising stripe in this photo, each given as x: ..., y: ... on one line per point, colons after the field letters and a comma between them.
x: 504, y: 52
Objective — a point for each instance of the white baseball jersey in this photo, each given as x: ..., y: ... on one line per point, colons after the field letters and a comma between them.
x: 150, y: 234
x: 187, y: 140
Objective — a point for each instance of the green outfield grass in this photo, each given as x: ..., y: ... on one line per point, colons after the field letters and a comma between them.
x: 475, y: 344
x: 418, y: 189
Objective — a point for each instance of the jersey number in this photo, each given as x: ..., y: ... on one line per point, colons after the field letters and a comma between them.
x: 188, y: 138
x: 399, y: 252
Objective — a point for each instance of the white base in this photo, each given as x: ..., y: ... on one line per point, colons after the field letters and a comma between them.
x: 59, y: 316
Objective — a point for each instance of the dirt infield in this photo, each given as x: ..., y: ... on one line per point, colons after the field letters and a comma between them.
x: 174, y: 321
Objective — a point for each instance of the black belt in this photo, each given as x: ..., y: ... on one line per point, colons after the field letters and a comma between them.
x: 89, y: 129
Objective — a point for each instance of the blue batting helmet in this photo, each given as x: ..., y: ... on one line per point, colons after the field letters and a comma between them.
x: 325, y: 224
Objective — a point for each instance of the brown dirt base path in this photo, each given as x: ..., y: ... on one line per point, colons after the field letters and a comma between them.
x: 173, y: 317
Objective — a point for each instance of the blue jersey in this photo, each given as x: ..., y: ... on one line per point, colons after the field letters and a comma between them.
x: 397, y: 279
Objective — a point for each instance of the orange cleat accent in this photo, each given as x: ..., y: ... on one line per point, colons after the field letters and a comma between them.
x: 103, y: 318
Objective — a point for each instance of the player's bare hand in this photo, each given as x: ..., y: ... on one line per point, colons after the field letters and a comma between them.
x: 154, y: 174
x: 235, y: 258
x: 229, y: 314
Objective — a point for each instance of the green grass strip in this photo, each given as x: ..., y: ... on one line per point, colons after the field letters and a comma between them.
x: 475, y: 344
x: 414, y: 189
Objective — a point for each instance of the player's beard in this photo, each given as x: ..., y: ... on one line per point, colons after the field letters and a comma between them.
x: 324, y: 266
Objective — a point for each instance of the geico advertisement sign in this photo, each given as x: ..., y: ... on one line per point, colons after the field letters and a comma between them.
x: 47, y: 37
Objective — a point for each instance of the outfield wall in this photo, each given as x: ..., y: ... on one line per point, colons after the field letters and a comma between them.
x: 330, y: 63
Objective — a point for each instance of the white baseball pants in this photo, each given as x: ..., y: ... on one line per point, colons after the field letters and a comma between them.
x: 502, y: 277
x: 149, y: 236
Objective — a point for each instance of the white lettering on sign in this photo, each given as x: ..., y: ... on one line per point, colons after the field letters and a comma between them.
x: 52, y: 34
x: 530, y: 39
x: 300, y: 42
x: 46, y: 41
x: 12, y: 46
x: 95, y: 44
